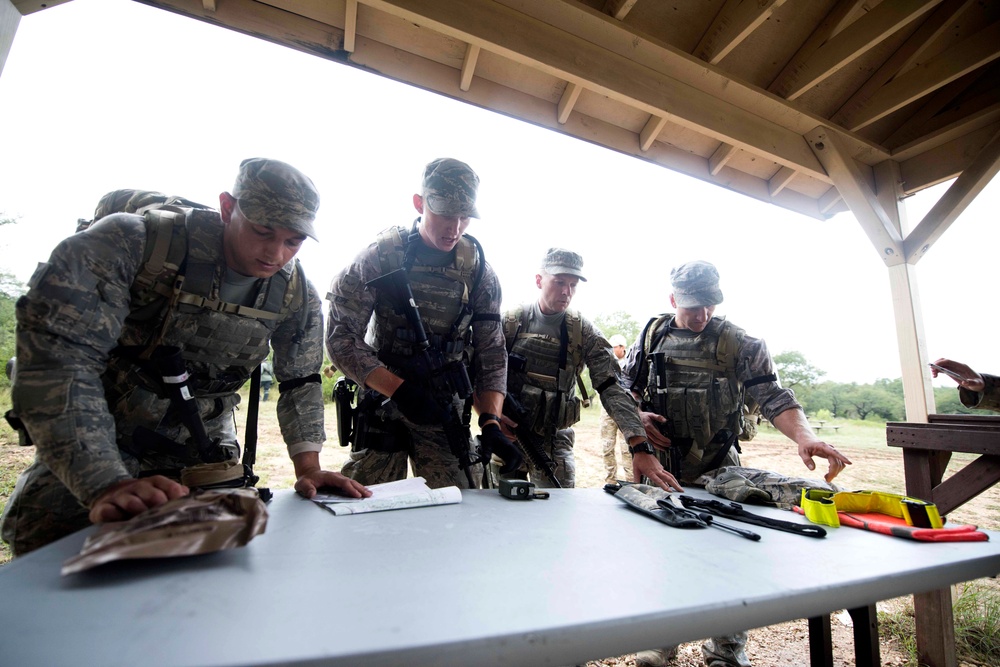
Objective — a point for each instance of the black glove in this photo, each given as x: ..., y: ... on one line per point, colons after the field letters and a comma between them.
x: 419, y: 405
x: 492, y: 440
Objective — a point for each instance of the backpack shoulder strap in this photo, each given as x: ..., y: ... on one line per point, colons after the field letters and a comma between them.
x: 650, y: 333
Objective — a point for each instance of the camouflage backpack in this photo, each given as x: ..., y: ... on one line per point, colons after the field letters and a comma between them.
x: 166, y: 249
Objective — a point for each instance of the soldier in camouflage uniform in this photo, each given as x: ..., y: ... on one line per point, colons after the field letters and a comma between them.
x: 373, y: 342
x: 549, y: 344
x: 91, y: 319
x: 609, y: 429
x: 976, y: 390
x: 710, y: 362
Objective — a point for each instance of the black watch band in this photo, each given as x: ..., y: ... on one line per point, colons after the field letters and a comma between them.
x: 642, y: 448
x: 485, y: 417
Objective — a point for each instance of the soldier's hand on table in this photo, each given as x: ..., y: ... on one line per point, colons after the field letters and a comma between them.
x: 648, y: 466
x: 418, y: 405
x: 651, y: 422
x: 823, y: 450
x: 493, y: 441
x: 308, y: 484
x: 130, y: 497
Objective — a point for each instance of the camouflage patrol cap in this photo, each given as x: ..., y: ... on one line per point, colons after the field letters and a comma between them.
x: 560, y: 261
x: 449, y: 188
x: 276, y: 194
x: 696, y: 284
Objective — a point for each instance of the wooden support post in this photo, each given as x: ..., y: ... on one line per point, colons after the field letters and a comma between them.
x: 9, y: 18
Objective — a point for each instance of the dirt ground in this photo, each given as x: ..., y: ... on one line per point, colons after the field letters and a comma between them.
x: 783, y: 645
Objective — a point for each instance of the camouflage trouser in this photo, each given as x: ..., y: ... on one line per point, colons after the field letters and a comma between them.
x: 609, y: 438
x: 42, y: 510
x: 430, y: 457
x: 560, y: 451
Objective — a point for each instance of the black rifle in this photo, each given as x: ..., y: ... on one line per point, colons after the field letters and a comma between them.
x: 171, y: 371
x: 444, y: 380
x: 658, y: 364
x: 531, y: 444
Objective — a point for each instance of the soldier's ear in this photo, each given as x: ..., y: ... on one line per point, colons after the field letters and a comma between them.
x: 418, y: 203
x: 538, y: 280
x: 673, y: 302
x: 226, y: 205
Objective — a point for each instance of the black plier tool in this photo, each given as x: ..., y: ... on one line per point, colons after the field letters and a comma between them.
x: 702, y: 520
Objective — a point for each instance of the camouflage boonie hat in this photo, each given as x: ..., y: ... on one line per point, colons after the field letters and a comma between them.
x: 560, y: 261
x: 696, y: 284
x: 275, y: 194
x: 449, y: 188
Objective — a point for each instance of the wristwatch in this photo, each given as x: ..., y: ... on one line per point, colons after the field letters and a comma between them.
x: 485, y: 417
x: 642, y: 448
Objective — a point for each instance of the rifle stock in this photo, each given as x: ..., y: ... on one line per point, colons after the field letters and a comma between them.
x: 530, y: 443
x: 443, y: 379
x: 658, y: 362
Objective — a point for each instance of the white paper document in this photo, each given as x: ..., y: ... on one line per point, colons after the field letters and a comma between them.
x: 405, y: 493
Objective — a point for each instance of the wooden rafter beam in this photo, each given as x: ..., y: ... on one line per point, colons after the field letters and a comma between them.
x: 521, y: 38
x: 734, y: 23
x: 650, y: 131
x: 469, y: 66
x: 959, y: 195
x: 939, y: 71
x: 618, y: 9
x: 350, y: 25
x: 209, y: 5
x: 932, y: 114
x: 912, y: 48
x: 855, y: 186
x: 720, y: 157
x: 885, y: 19
x: 948, y: 127
x: 780, y: 180
x: 830, y: 26
x: 944, y: 162
x: 568, y: 100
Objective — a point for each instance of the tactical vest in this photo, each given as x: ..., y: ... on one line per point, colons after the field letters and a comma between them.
x: 704, y: 394
x: 175, y: 302
x: 443, y: 295
x: 545, y: 389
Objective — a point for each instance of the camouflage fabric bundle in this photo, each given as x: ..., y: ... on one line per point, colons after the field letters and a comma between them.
x: 752, y: 485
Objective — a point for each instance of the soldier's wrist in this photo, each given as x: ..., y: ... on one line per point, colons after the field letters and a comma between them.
x: 487, y: 417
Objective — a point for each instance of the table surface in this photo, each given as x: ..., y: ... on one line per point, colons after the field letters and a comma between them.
x: 489, y: 581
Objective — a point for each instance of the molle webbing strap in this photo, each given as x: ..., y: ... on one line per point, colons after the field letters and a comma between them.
x: 295, y: 383
x: 486, y: 317
x: 250, y: 433
x: 160, y: 227
x: 696, y: 363
x: 190, y: 299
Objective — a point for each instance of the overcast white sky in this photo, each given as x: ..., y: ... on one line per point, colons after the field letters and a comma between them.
x: 104, y: 94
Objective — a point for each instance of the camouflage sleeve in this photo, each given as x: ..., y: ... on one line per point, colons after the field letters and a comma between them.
x: 300, y: 410
x: 604, y: 369
x: 754, y: 362
x: 351, y: 307
x: 67, y: 324
x: 490, y: 361
x: 988, y: 399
